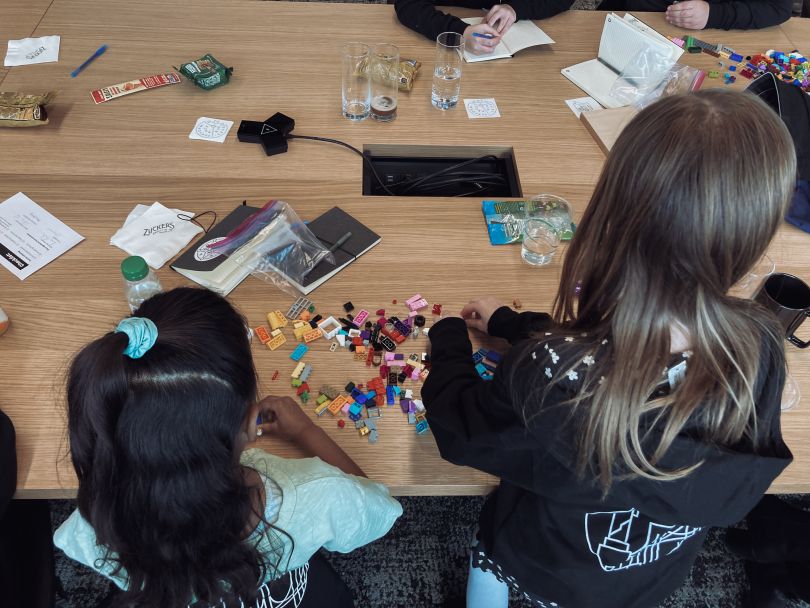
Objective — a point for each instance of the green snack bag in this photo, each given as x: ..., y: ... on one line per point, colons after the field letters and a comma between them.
x: 206, y: 72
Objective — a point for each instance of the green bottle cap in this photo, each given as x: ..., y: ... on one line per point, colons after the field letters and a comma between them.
x: 134, y: 268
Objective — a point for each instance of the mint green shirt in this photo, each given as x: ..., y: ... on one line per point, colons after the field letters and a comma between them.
x: 320, y: 507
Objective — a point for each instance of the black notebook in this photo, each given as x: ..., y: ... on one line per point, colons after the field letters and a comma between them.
x: 217, y: 272
x: 329, y: 228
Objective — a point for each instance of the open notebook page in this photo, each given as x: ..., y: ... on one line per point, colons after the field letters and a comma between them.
x: 521, y: 35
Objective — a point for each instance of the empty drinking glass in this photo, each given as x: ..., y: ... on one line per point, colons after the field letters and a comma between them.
x: 356, y: 84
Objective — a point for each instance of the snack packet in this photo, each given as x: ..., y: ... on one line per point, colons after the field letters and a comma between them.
x: 206, y: 72
x: 24, y: 110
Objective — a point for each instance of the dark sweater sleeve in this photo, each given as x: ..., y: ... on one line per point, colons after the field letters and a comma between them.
x: 422, y: 16
x: 538, y: 9
x: 8, y: 462
x: 474, y: 421
x: 513, y: 326
x: 748, y: 14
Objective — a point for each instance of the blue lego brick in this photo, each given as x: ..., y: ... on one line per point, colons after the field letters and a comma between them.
x: 355, y: 409
x: 397, y: 390
x: 389, y: 395
x: 422, y: 427
x: 479, y: 367
x: 736, y: 57
x: 354, y: 417
x: 299, y: 352
x: 494, y: 356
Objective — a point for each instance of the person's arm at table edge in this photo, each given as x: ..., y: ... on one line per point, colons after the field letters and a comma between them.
x: 423, y: 17
x: 748, y: 14
x: 538, y: 9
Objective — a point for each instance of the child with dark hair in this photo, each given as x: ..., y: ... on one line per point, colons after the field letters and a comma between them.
x: 172, y: 507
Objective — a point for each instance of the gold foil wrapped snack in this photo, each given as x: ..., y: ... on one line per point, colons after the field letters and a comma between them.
x: 24, y: 110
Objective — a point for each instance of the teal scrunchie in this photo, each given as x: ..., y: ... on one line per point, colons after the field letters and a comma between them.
x: 142, y: 334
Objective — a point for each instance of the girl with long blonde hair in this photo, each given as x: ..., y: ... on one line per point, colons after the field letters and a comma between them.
x: 645, y: 408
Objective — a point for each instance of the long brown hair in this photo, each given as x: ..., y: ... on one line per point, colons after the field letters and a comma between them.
x: 688, y: 200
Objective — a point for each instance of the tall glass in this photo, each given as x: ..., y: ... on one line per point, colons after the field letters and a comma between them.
x: 384, y: 74
x: 356, y: 85
x: 447, y: 73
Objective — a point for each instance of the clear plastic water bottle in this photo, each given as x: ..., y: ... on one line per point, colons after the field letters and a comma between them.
x: 140, y: 283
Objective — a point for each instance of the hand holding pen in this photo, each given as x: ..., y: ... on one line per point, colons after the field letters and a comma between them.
x: 481, y: 39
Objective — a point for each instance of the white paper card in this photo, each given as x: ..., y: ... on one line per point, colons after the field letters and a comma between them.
x: 28, y: 51
x: 211, y: 129
x: 30, y: 237
x: 481, y: 108
x: 583, y: 104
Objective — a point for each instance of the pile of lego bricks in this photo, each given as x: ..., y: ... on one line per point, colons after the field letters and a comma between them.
x: 373, y: 343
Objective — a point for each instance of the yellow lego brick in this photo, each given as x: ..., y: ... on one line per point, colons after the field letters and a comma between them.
x: 364, y: 430
x: 336, y: 405
x: 276, y: 319
x: 298, y: 369
x: 277, y: 340
x: 312, y: 335
x: 321, y: 407
x: 300, y: 331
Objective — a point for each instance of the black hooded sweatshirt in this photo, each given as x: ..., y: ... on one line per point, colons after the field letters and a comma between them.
x: 551, y: 534
x: 422, y: 15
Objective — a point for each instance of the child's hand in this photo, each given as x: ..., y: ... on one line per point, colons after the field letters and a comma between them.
x: 477, y: 312
x: 283, y: 417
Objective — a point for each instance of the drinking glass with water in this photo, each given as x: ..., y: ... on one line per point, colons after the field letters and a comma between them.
x: 447, y: 72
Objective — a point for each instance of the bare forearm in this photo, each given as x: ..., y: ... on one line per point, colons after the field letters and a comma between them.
x: 316, y: 442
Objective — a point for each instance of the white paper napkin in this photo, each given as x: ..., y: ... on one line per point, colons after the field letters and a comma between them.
x: 28, y: 51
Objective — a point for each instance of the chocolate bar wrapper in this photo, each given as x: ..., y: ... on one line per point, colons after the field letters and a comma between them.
x: 134, y: 86
x: 24, y: 110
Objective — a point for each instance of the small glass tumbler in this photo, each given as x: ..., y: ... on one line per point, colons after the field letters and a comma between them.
x: 356, y: 84
x: 447, y: 71
x: 554, y: 210
x: 540, y: 242
x: 384, y: 73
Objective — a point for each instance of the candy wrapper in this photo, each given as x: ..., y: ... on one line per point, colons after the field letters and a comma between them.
x: 206, y: 72
x: 24, y: 110
x: 406, y: 73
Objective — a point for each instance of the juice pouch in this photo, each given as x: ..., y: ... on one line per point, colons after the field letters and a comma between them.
x: 206, y: 72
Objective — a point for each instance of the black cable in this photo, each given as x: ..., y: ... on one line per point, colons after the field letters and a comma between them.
x: 353, y: 149
x: 422, y: 184
x: 447, y: 170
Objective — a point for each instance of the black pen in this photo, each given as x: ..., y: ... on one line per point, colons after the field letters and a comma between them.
x: 332, y: 249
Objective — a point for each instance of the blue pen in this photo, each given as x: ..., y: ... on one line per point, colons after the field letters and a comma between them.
x: 99, y: 52
x: 480, y: 35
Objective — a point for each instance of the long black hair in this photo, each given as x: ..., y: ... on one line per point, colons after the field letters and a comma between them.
x: 155, y: 445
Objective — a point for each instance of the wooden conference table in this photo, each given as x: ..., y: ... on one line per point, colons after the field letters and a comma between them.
x: 92, y: 164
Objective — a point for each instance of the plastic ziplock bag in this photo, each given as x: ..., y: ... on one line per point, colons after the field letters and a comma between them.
x: 276, y: 247
x: 680, y: 79
x: 642, y: 75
